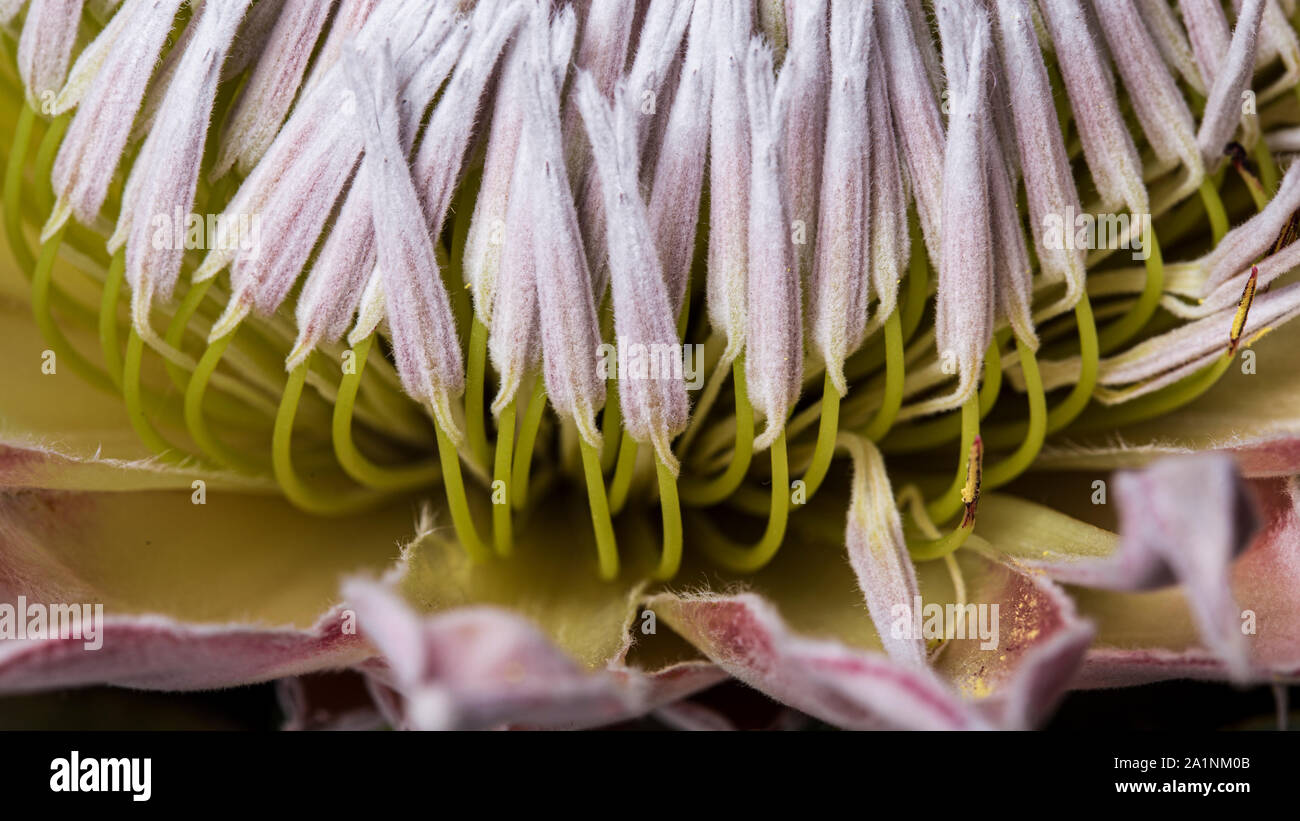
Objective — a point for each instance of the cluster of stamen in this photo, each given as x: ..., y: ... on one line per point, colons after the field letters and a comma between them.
x: 340, y: 429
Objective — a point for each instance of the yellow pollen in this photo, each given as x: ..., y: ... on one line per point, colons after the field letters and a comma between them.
x: 1243, y: 309
x: 970, y: 493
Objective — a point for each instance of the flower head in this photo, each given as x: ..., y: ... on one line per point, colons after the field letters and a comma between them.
x: 647, y: 231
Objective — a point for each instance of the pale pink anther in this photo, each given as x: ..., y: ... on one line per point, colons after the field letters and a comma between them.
x: 271, y: 88
x: 840, y: 282
x: 729, y: 169
x: 422, y: 328
x: 964, y: 308
x: 1049, y: 182
x: 97, y: 136
x: 808, y: 60
x: 675, y: 196
x: 653, y: 403
x: 1107, y: 146
x: 916, y: 114
x: 774, y: 317
x: 45, y: 48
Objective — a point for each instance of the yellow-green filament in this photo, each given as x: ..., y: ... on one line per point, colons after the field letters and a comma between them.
x: 198, y: 426
x: 1060, y: 416
x: 475, y: 425
x: 704, y: 405
x: 705, y: 492
x: 1089, y: 353
x: 748, y: 559
x: 1127, y: 326
x: 912, y: 307
x: 918, y: 284
x: 295, y: 490
x: 353, y: 462
x: 13, y: 188
x: 1257, y: 194
x: 826, y: 433
x: 946, y: 506
x: 1267, y: 167
x: 934, y: 546
x: 246, y: 408
x: 13, y: 184
x: 64, y: 353
x: 939, y: 548
x: 610, y: 421
x: 502, y: 533
x: 1214, y: 208
x: 1019, y: 461
x: 454, y: 484
x: 108, y: 317
x: 606, y: 545
x: 894, y: 373
x: 453, y: 264
x: 671, y: 516
x: 175, y: 333
x: 45, y: 154
x: 934, y: 432
x: 523, y: 457
x: 621, y: 484
x: 1159, y: 402
x: 131, y: 397
x: 992, y: 386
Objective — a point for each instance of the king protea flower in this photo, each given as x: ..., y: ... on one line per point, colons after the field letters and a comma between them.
x: 395, y: 336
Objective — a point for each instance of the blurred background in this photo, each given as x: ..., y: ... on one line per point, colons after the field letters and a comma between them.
x: 342, y: 697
